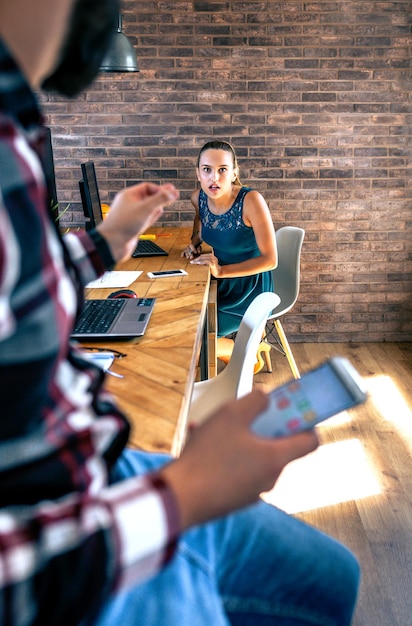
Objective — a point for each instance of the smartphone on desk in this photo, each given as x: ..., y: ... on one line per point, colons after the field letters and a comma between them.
x: 320, y: 393
x: 166, y: 273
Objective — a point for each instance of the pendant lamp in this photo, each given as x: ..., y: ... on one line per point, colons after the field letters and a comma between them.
x: 121, y: 56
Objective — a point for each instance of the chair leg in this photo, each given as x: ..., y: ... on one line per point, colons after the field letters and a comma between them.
x: 264, y: 348
x: 286, y: 347
x: 266, y: 356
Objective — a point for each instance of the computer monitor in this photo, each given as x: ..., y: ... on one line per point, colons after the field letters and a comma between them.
x: 87, y: 210
x: 48, y: 165
x: 89, y: 191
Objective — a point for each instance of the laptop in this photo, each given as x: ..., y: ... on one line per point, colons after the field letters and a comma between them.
x: 118, y: 318
x: 92, y: 210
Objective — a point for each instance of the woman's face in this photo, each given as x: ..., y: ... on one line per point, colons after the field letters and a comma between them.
x: 216, y: 172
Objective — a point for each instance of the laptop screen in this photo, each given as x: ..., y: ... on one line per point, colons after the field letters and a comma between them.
x: 90, y: 194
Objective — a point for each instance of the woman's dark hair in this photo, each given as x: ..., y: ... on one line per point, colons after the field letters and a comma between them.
x: 88, y: 38
x: 222, y: 145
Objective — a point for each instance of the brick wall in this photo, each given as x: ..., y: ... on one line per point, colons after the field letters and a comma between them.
x: 315, y: 97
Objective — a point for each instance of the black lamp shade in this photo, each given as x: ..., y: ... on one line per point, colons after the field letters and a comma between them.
x: 121, y: 56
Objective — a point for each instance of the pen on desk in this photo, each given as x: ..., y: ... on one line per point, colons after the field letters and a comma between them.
x: 153, y: 236
x: 114, y: 374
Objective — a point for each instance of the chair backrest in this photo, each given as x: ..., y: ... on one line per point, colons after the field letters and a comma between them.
x: 240, y: 368
x: 286, y: 276
x: 236, y: 380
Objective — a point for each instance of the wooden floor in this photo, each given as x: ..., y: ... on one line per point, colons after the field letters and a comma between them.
x: 357, y: 486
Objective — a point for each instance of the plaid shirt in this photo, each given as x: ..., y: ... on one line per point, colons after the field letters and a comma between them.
x: 67, y: 537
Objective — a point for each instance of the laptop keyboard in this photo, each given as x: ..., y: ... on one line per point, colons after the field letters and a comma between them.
x: 98, y: 316
x: 147, y: 247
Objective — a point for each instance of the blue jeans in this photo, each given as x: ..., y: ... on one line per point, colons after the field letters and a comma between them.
x: 255, y: 567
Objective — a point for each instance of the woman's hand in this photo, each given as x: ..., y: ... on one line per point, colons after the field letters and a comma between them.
x: 210, y: 260
x: 192, y: 251
x: 133, y: 210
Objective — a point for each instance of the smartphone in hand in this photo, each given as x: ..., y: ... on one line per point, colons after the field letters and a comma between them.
x: 320, y: 393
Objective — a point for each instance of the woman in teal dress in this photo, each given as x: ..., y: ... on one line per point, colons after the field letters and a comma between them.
x: 235, y: 221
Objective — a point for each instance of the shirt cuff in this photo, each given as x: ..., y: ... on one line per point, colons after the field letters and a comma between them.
x: 103, y: 248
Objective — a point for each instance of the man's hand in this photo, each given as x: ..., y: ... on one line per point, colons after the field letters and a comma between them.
x: 133, y: 210
x: 224, y: 466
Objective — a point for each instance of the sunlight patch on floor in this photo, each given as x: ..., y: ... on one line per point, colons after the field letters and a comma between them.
x: 335, y: 472
x: 392, y: 406
x: 342, y: 471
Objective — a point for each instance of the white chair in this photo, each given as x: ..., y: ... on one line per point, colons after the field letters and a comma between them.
x: 236, y: 380
x: 286, y: 283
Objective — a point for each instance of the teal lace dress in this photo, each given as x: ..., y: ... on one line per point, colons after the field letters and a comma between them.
x: 232, y: 242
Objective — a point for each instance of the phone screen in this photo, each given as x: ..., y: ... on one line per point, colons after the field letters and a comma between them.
x: 167, y: 273
x: 300, y: 404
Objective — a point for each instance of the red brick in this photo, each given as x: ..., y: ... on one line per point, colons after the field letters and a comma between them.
x: 319, y: 112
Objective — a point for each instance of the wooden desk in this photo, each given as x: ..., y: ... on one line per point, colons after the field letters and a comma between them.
x: 160, y: 368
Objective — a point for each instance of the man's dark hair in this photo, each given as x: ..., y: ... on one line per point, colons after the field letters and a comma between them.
x: 92, y: 24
